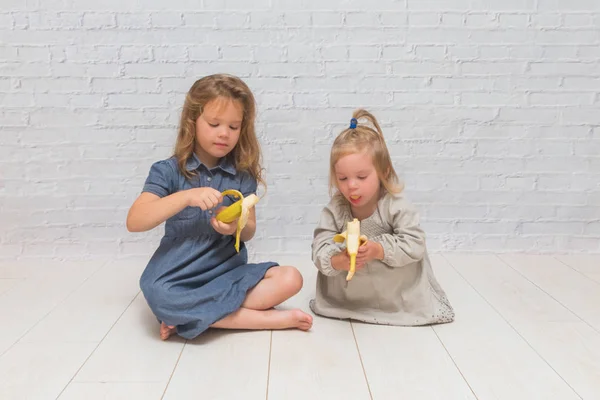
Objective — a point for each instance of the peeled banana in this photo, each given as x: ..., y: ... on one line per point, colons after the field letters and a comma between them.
x: 239, y: 210
x: 353, y: 240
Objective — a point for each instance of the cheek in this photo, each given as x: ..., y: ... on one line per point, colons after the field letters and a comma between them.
x: 201, y: 130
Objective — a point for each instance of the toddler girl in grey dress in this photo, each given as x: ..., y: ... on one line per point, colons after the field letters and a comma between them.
x: 394, y: 283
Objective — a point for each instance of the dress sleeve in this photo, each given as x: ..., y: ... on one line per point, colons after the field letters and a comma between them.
x: 406, y: 244
x: 323, y: 246
x: 160, y: 180
x: 248, y: 184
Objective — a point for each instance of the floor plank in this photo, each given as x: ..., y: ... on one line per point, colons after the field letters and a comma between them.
x: 573, y: 290
x: 413, y: 353
x: 8, y: 284
x: 132, y: 351
x: 320, y: 364
x: 570, y: 346
x: 31, y: 300
x: 113, y: 391
x: 494, y: 359
x: 244, y: 355
x: 95, y: 307
x: 38, y: 370
x: 588, y: 264
x: 526, y: 328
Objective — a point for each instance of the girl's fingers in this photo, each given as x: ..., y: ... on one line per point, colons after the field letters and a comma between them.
x: 209, y: 202
x: 216, y: 199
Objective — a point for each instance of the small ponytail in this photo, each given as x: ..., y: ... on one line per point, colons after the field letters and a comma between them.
x: 360, y: 137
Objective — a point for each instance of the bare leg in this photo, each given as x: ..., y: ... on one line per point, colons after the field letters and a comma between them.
x: 245, y: 318
x: 278, y: 285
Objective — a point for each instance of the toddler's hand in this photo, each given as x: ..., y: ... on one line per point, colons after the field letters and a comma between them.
x: 222, y: 227
x: 204, y: 197
x: 368, y: 252
x: 341, y: 262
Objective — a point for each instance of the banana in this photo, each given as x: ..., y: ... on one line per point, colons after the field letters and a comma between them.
x: 231, y: 213
x: 353, y: 240
x: 239, y: 210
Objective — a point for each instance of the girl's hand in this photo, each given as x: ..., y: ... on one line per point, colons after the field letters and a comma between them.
x: 222, y: 227
x: 341, y: 262
x: 368, y: 252
x: 204, y: 197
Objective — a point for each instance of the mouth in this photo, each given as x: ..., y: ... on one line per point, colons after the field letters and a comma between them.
x: 221, y: 144
x: 355, y: 199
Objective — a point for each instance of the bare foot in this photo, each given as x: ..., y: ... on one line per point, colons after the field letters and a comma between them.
x: 166, y: 331
x: 295, y: 319
x: 246, y: 318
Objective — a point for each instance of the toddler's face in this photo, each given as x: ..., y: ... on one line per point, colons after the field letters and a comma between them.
x: 218, y: 130
x: 357, y: 180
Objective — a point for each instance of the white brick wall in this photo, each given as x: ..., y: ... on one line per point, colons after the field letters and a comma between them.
x: 491, y: 109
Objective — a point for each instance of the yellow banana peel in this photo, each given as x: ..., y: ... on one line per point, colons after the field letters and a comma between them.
x: 353, y: 240
x: 239, y: 210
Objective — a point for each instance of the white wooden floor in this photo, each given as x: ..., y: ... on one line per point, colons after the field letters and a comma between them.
x: 527, y: 327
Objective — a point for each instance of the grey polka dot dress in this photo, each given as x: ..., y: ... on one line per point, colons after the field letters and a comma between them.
x: 401, y: 289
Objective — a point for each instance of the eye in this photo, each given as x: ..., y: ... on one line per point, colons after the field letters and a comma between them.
x: 341, y: 179
x: 235, y: 128
x: 362, y: 177
x: 213, y: 125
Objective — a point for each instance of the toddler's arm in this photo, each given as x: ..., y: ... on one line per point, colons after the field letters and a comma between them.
x: 325, y: 253
x: 406, y: 244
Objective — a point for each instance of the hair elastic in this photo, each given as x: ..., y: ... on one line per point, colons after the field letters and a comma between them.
x: 353, y: 122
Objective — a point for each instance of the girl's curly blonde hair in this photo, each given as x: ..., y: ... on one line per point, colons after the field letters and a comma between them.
x: 246, y: 154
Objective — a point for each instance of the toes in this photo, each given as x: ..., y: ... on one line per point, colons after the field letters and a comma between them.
x: 166, y: 331
x: 307, y: 318
x: 305, y: 327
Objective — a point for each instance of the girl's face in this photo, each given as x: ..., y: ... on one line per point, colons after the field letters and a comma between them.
x: 218, y: 130
x: 357, y: 179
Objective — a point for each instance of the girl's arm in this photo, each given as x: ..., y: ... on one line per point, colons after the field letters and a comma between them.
x: 406, y: 244
x: 325, y: 254
x: 149, y: 210
x: 161, y: 199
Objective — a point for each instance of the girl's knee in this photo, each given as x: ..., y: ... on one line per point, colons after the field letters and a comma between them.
x: 155, y: 294
x: 291, y: 279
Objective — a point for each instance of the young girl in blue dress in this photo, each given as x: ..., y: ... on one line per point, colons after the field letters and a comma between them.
x: 196, y: 279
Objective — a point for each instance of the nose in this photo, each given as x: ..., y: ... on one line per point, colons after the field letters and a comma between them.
x: 353, y: 184
x: 224, y: 132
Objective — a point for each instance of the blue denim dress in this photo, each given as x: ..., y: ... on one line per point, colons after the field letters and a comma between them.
x: 195, y: 277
